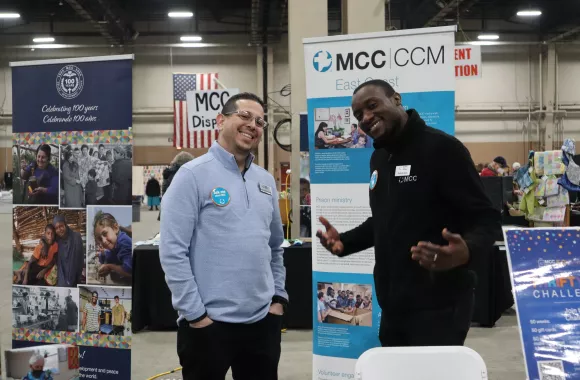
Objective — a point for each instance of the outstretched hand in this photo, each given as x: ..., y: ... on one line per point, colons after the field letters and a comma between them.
x: 330, y: 239
x: 442, y: 257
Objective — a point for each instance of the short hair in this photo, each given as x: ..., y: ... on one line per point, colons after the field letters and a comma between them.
x: 84, y: 146
x: 101, y: 146
x: 95, y: 294
x: 116, y: 297
x: 92, y: 173
x: 182, y: 158
x: 387, y: 88
x: 35, y: 358
x: 231, y: 105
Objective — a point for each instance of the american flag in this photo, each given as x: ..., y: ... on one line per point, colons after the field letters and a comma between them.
x: 182, y: 137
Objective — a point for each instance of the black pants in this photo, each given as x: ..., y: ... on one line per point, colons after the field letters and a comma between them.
x: 446, y: 326
x: 252, y: 351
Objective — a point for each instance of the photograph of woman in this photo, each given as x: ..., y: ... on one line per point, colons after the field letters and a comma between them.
x: 71, y: 254
x: 110, y: 257
x: 36, y: 174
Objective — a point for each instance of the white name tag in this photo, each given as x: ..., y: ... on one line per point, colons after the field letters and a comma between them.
x: 265, y: 189
x: 402, y: 171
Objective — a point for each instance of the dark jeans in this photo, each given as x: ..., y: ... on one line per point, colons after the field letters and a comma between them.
x: 447, y: 326
x: 252, y: 351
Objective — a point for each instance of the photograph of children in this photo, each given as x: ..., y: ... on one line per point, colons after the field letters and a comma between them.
x: 48, y: 246
x: 110, y: 248
x: 345, y: 304
x: 35, y: 177
x: 96, y: 174
x: 47, y: 362
x: 44, y: 308
x: 105, y: 310
x: 336, y: 128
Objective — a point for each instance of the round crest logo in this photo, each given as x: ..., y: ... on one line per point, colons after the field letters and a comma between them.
x: 70, y: 82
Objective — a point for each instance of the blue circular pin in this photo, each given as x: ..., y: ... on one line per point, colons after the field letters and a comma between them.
x: 374, y: 179
x: 220, y: 196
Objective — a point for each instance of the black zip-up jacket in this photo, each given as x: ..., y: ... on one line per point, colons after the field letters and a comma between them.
x: 442, y: 190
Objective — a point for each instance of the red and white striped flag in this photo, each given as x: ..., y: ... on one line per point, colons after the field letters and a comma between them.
x: 182, y: 137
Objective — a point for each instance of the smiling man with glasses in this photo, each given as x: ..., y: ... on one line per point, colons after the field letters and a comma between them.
x: 221, y: 236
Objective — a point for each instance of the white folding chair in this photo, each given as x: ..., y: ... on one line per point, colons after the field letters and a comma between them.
x: 421, y: 363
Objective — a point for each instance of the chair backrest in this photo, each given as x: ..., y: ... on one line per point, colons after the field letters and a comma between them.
x: 421, y: 363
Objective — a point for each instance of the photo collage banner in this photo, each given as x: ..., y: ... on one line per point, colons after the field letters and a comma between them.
x: 419, y: 65
x: 72, y: 214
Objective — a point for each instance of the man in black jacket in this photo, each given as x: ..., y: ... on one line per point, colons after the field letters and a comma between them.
x: 429, y: 224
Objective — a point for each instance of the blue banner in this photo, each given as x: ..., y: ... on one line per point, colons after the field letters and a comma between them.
x: 85, y: 96
x: 545, y: 271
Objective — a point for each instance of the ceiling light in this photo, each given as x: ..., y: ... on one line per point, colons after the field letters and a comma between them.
x: 43, y: 39
x: 180, y: 14
x: 190, y: 38
x: 192, y: 45
x: 49, y: 46
x: 483, y: 43
x: 530, y: 13
x: 9, y: 15
x: 488, y: 37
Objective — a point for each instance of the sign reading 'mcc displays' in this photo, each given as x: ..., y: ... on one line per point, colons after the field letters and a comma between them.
x: 324, y: 61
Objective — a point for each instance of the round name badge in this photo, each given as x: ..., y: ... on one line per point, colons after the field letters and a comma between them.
x: 374, y: 179
x: 220, y: 197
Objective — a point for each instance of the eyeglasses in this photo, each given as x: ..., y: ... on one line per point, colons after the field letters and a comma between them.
x: 247, y: 116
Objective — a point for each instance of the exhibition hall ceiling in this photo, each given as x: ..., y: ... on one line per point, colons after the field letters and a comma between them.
x: 125, y: 22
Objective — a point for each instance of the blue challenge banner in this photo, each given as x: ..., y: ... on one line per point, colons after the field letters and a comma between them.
x: 343, y: 166
x: 545, y: 270
x: 67, y: 96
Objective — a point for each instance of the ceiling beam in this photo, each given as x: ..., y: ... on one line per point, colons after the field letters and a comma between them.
x: 449, y: 7
x: 85, y: 14
x: 571, y: 32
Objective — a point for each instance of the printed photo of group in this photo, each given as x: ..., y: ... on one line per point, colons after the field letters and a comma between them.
x: 105, y: 310
x: 36, y: 307
x: 95, y: 174
x: 72, y: 228
x: 344, y: 304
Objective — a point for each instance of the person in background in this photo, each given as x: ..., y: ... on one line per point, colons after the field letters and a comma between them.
x: 72, y: 314
x: 366, y: 304
x: 73, y: 191
x: 168, y: 173
x: 422, y: 274
x: 479, y: 167
x: 118, y: 318
x: 350, y: 303
x: 354, y: 134
x: 37, y: 372
x: 341, y: 300
x: 121, y: 177
x: 323, y: 310
x: 320, y: 138
x: 496, y: 168
x: 117, y: 260
x: 358, y: 302
x: 43, y: 258
x: 153, y: 192
x: 221, y: 220
x: 102, y: 153
x: 42, y: 178
x: 91, y: 323
x: 71, y: 254
x: 178, y: 161
x: 91, y: 191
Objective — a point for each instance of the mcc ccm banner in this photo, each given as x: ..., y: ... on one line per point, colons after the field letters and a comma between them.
x: 545, y: 274
x: 419, y: 64
x: 72, y: 250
